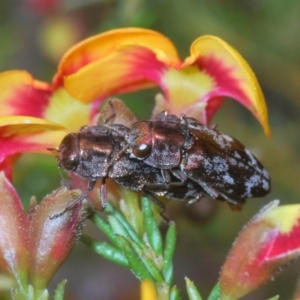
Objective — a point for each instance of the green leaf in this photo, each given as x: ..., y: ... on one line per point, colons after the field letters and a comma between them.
x: 136, y: 264
x: 174, y: 293
x: 192, y: 290
x: 130, y: 232
x: 136, y: 257
x: 43, y: 296
x: 106, y: 229
x: 215, y: 293
x: 274, y: 298
x: 60, y: 291
x: 116, y: 227
x: 107, y: 251
x: 167, y: 270
x: 152, y: 230
x: 129, y: 206
x: 149, y: 263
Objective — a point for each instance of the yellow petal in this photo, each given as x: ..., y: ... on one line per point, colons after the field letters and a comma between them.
x: 67, y: 111
x: 20, y: 134
x: 114, y: 62
x: 102, y: 45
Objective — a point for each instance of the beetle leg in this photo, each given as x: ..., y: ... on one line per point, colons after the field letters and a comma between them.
x: 166, y: 176
x: 161, y: 205
x: 91, y: 185
x: 165, y: 185
x: 236, y: 203
x: 189, y: 138
x: 103, y: 193
x: 208, y: 189
x: 195, y: 200
x: 179, y: 174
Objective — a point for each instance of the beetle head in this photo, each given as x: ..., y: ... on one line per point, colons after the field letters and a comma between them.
x: 69, y: 152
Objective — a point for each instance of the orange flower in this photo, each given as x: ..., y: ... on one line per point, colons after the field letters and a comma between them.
x: 270, y: 241
x: 129, y: 59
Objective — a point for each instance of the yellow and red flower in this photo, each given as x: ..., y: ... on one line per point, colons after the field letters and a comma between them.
x: 129, y: 59
x: 35, y: 116
x: 114, y: 62
x: 270, y: 241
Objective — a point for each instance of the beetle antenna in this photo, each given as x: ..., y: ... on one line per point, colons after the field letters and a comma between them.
x: 64, y: 181
x: 59, y: 167
x: 55, y: 150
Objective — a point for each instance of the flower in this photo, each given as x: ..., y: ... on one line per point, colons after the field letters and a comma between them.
x: 22, y: 95
x: 33, y: 245
x: 270, y: 241
x: 148, y: 291
x: 119, y: 61
x: 129, y: 59
x: 29, y: 109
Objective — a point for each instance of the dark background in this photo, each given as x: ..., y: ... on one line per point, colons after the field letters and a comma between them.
x: 35, y: 33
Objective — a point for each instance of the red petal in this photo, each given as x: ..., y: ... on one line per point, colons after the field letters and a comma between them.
x: 21, y: 95
x: 287, y: 239
x: 126, y: 69
x: 26, y: 134
x: 269, y: 242
x: 101, y: 46
x: 232, y: 74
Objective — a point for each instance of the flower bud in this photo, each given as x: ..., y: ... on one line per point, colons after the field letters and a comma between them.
x: 270, y: 241
x: 52, y: 236
x: 13, y: 232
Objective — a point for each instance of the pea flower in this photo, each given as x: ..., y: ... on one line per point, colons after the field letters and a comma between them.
x: 32, y: 245
x: 270, y: 241
x: 125, y: 60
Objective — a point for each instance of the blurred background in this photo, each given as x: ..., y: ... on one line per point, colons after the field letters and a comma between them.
x: 34, y: 34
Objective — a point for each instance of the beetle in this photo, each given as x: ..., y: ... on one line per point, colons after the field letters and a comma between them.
x: 95, y: 153
x: 188, y: 150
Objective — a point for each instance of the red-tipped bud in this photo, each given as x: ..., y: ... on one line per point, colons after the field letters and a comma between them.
x: 52, y: 237
x: 13, y: 232
x: 270, y: 241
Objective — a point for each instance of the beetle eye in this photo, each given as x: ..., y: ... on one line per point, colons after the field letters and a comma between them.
x: 69, y: 163
x: 141, y: 151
